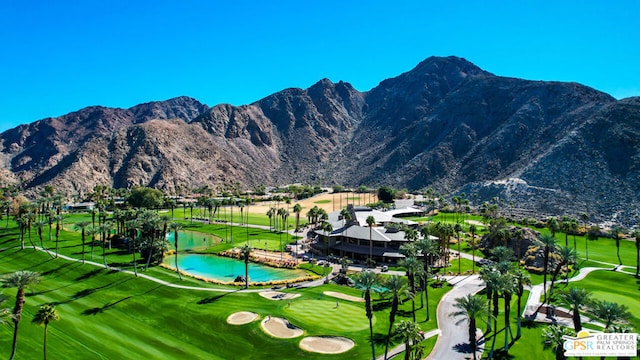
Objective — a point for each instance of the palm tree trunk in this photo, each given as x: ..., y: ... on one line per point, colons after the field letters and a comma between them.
x: 392, y: 318
x: 519, y: 321
x: 472, y: 337
x: 44, y: 346
x: 15, y: 339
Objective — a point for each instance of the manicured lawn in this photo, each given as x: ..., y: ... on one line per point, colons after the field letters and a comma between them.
x: 115, y: 316
x: 107, y: 314
x: 613, y: 286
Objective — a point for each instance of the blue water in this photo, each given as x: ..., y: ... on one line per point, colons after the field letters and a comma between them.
x: 226, y: 269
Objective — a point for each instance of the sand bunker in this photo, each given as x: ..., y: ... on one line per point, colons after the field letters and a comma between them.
x: 241, y: 318
x: 275, y: 295
x: 280, y: 328
x: 342, y: 296
x: 326, y: 344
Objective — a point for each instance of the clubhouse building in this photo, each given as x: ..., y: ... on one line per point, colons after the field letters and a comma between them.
x: 353, y: 238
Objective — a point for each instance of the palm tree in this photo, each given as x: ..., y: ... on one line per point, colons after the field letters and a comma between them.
x: 39, y: 225
x: 521, y: 279
x: 575, y: 299
x: 22, y: 224
x: 552, y: 225
x: 471, y: 307
x: 396, y: 286
x: 567, y: 256
x: 270, y: 213
x: 490, y: 276
x: 549, y: 243
x: 366, y: 280
x: 472, y: 230
x: 104, y: 230
x: 414, y: 269
x: 457, y: 228
x: 327, y: 228
x: 58, y: 219
x: 176, y: 227
x: 45, y: 314
x: 507, y: 285
x: 297, y: 208
x: 245, y: 251
x: 610, y: 312
x: 429, y: 248
x: 410, y: 333
x: 615, y: 233
x: 370, y: 222
x: 553, y: 337
x: 82, y: 226
x: 584, y: 217
x: 20, y: 280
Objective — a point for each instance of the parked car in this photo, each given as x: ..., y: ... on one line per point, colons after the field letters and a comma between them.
x: 384, y: 268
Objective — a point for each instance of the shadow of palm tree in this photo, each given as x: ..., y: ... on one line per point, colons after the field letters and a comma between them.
x: 212, y: 299
x: 99, y: 310
x: 463, y: 348
x: 89, y: 274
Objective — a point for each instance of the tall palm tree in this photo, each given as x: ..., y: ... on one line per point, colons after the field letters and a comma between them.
x: 549, y: 243
x: 568, y: 256
x: 472, y: 230
x: 327, y: 228
x: 82, y: 226
x: 457, y: 228
x: 45, y: 315
x: 59, y: 218
x: 584, y: 217
x: 507, y: 286
x: 39, y: 224
x: 245, y: 251
x: 176, y: 227
x: 410, y: 333
x: 396, y: 286
x: 370, y: 222
x: 470, y: 307
x: 22, y: 224
x: 297, y: 208
x: 414, y: 269
x: 366, y: 281
x: 20, y: 280
x: 553, y: 226
x: 575, y: 299
x: 615, y: 233
x: 553, y: 337
x: 490, y: 276
x: 104, y: 231
x: 521, y: 279
x: 429, y: 248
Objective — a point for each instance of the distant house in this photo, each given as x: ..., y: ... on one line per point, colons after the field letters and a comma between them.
x: 352, y: 238
x: 80, y: 206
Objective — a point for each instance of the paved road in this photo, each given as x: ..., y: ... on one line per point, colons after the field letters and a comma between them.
x: 454, y: 339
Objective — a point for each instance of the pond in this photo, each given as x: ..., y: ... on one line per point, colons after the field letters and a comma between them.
x: 226, y: 269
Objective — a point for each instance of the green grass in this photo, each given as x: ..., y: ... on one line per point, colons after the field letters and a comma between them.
x: 616, y: 287
x: 111, y: 315
x: 308, y: 311
x: 325, y: 201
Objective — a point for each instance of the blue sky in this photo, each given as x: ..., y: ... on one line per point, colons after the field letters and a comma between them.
x: 60, y: 56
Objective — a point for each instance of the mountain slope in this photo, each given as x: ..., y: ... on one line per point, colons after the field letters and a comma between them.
x: 553, y: 147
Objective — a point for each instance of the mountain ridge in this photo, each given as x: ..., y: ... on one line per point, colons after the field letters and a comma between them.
x: 445, y: 124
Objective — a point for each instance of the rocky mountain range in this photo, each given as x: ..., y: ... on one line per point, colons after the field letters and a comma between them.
x: 548, y: 148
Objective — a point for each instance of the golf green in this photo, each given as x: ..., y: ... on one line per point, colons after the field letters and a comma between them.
x: 325, y: 316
